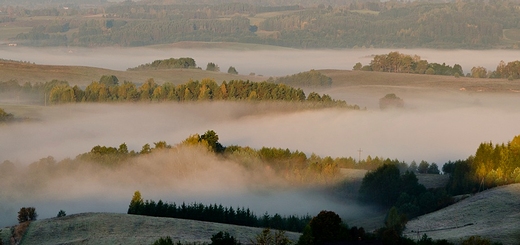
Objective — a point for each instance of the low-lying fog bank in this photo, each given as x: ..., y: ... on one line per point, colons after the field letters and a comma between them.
x: 276, y: 62
x: 436, y: 129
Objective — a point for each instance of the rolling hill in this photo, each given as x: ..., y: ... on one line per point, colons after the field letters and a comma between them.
x: 111, y: 228
x: 82, y: 76
x: 493, y: 214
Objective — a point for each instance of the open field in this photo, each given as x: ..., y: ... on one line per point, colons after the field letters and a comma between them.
x: 493, y: 214
x: 343, y: 80
x: 82, y: 76
x: 111, y: 228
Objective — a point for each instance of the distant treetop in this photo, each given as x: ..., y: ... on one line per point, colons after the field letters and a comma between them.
x: 171, y: 63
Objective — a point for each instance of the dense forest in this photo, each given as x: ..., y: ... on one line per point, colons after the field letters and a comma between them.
x: 389, y: 24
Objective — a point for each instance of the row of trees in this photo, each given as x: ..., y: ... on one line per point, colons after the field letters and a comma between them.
x: 491, y: 166
x: 215, y: 213
x: 109, y: 89
x: 403, y: 63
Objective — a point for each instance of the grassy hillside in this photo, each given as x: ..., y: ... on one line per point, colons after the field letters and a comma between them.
x: 493, y: 214
x: 343, y: 80
x: 82, y: 76
x: 385, y: 80
x: 109, y: 228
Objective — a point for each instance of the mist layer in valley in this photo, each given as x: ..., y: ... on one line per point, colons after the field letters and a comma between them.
x: 266, y: 62
x: 432, y: 127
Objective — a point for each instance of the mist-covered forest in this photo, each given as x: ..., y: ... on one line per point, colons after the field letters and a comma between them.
x: 293, y: 152
x: 360, y: 24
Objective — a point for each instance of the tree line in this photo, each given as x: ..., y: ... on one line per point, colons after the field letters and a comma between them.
x: 215, y: 213
x: 108, y: 89
x: 402, y: 63
x: 461, y: 24
x: 491, y: 166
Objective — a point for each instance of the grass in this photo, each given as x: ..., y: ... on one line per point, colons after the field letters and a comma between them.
x: 82, y: 76
x: 7, y: 32
x: 376, y: 81
x: 493, y: 214
x: 512, y: 34
x: 109, y: 228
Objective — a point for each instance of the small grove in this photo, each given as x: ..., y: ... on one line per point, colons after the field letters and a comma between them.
x: 402, y: 63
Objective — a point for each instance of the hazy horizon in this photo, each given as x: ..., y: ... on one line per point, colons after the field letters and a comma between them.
x: 266, y: 62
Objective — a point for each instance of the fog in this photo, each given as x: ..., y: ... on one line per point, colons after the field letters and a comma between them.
x: 436, y: 127
x: 268, y: 62
x: 433, y: 127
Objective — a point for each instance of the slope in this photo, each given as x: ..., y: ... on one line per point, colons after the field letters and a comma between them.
x: 493, y: 214
x: 110, y: 228
x: 82, y: 75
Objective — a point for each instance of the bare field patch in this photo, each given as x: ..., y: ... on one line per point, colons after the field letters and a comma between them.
x: 493, y: 214
x: 111, y: 228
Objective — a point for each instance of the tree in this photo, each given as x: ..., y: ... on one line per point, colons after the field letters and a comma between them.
x: 223, y: 238
x: 27, y: 214
x: 267, y: 238
x: 212, y: 140
x: 394, y: 226
x: 390, y: 101
x: 382, y: 186
x: 61, y: 213
x: 479, y: 72
x: 433, y: 169
x: 164, y: 241
x: 4, y: 116
x: 326, y: 227
x: 423, y: 167
x: 212, y: 67
x: 136, y: 204
x: 232, y: 70
x: 109, y: 80
x: 357, y: 66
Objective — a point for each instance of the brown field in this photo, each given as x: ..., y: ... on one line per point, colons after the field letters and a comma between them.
x: 344, y: 81
x: 110, y: 228
x: 493, y: 214
x: 82, y: 76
